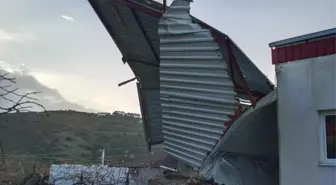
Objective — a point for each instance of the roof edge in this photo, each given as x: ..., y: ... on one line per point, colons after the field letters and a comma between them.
x: 319, y: 34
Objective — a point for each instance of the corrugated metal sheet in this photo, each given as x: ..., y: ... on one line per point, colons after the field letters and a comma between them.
x: 153, y: 107
x: 129, y: 32
x: 130, y: 29
x: 133, y: 25
x: 197, y: 94
x: 237, y: 169
x: 151, y: 114
x: 262, y: 119
x: 119, y: 18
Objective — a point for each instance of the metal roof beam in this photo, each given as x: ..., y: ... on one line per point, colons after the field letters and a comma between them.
x: 143, y: 110
x: 148, y: 40
x: 126, y: 82
x: 234, y: 64
x: 131, y: 60
x: 256, y: 94
x: 107, y: 27
x: 140, y: 7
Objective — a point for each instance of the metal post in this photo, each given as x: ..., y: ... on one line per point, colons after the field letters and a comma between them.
x: 103, y: 157
x: 126, y: 82
x: 164, y: 5
x: 2, y: 153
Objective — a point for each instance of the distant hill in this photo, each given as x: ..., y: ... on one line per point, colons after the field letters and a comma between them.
x: 74, y: 137
x: 50, y: 98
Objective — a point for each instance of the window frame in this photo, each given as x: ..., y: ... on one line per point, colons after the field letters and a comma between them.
x: 323, y: 139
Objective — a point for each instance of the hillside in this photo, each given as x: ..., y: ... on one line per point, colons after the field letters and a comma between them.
x: 74, y: 137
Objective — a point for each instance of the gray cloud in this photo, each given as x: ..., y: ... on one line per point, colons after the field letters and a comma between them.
x: 50, y: 98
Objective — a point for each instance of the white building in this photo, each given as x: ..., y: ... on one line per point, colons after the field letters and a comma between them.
x: 306, y: 96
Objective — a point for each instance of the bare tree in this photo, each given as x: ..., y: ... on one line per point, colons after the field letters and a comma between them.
x: 13, y: 101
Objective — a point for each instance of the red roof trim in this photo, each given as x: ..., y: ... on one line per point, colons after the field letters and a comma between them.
x: 303, y: 51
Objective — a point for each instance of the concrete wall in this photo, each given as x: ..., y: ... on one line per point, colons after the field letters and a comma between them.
x: 305, y: 87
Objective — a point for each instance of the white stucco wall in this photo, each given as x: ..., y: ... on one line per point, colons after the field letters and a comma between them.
x: 305, y: 87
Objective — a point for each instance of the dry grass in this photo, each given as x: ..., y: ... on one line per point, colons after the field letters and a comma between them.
x: 66, y: 136
x: 18, y: 170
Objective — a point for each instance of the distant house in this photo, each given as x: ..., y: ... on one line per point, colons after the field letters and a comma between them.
x: 103, y: 114
x: 122, y: 113
x: 119, y: 113
x: 136, y: 115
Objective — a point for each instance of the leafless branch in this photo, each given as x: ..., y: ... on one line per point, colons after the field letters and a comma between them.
x: 17, y: 102
x: 3, y: 77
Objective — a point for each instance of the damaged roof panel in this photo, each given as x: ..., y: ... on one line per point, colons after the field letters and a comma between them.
x: 189, y: 54
x: 133, y: 25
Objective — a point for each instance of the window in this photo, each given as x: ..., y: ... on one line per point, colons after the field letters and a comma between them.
x: 328, y: 138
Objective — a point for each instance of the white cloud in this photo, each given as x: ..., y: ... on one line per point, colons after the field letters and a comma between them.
x: 75, y: 89
x: 10, y: 68
x: 6, y: 66
x: 85, y: 91
x: 68, y: 18
x: 6, y: 36
x: 50, y: 98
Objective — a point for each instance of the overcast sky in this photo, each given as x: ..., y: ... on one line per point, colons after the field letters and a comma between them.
x: 64, y: 47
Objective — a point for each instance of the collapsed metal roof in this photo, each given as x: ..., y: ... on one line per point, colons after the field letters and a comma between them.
x: 196, y: 89
x: 255, y: 131
x: 133, y: 25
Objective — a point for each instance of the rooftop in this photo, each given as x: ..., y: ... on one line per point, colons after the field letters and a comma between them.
x: 305, y: 38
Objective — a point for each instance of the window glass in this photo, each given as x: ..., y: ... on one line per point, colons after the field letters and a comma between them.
x: 331, y: 136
